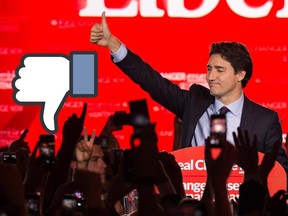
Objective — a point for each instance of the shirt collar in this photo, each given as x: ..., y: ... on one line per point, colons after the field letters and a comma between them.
x: 235, y: 107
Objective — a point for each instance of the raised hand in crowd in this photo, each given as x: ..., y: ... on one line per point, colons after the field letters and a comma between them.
x: 248, y: 154
x: 173, y: 171
x: 113, y: 123
x: 36, y: 173
x: 144, y: 158
x: 20, y: 143
x: 72, y: 130
x: 248, y: 157
x: 254, y: 191
x: 268, y: 162
x: 22, y: 150
x: 277, y: 205
x: 84, y: 149
x: 252, y: 194
x: 218, y: 171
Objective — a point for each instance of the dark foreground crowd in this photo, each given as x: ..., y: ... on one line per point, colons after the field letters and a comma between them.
x: 91, y: 175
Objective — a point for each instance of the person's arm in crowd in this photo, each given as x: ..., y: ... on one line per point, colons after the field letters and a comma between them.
x: 144, y: 156
x: 277, y: 205
x: 208, y: 196
x: 59, y: 174
x: 84, y: 150
x: 20, y: 143
x: 22, y: 150
x: 248, y: 158
x: 218, y: 170
x: 110, y: 126
x: 252, y: 191
x: 248, y: 155
x: 36, y: 173
x: 173, y: 171
x: 12, y: 200
x: 268, y: 163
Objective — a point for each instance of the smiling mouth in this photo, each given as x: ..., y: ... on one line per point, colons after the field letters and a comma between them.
x: 213, y: 84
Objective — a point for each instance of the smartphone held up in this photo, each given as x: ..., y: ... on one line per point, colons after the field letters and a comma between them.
x: 47, y: 148
x: 218, y: 129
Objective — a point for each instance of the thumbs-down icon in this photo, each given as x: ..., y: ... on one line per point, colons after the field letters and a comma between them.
x: 48, y: 79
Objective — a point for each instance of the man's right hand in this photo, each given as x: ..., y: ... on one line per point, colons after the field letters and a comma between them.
x: 101, y: 35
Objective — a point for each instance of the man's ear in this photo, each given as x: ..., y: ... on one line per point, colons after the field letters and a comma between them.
x: 241, y: 75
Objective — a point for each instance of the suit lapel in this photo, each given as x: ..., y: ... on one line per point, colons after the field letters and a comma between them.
x: 248, y: 117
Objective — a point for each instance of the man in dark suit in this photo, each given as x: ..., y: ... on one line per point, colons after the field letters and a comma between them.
x: 228, y: 70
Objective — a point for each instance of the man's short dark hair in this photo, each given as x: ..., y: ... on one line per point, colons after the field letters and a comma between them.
x: 238, y: 56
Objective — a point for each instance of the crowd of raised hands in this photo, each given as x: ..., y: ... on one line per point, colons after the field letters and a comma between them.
x: 92, y: 175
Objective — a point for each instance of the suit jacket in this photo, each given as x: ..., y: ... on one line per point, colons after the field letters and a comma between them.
x: 190, y: 106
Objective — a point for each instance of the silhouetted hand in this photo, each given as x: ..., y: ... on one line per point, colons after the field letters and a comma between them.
x: 219, y: 169
x: 247, y: 152
x: 268, y: 162
x: 20, y: 143
x: 73, y: 127
x: 277, y: 205
x: 173, y: 171
x: 36, y: 172
x: 111, y: 124
x: 21, y: 148
x: 59, y: 174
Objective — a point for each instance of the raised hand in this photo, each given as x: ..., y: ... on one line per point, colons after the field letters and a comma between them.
x: 268, y: 162
x: 248, y: 155
x: 72, y: 129
x: 20, y: 143
x: 219, y: 169
x: 101, y: 35
x: 173, y: 171
x: 84, y: 149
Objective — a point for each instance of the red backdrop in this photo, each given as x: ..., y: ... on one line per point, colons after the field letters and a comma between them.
x: 176, y: 46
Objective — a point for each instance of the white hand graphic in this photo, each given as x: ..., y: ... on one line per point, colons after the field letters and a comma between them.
x: 46, y: 80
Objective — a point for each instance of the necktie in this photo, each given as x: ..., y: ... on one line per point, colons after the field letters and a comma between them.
x: 224, y: 110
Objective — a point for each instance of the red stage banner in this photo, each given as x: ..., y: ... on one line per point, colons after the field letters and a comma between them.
x: 192, y: 163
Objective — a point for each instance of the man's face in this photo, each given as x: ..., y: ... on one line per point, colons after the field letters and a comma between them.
x: 224, y: 84
x: 96, y: 163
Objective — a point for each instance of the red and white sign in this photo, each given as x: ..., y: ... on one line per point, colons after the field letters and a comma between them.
x: 192, y: 163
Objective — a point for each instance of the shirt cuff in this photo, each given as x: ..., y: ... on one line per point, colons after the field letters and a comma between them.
x: 120, y: 54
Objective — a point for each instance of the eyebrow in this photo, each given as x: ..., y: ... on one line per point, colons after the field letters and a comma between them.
x: 217, y: 67
x: 94, y: 158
